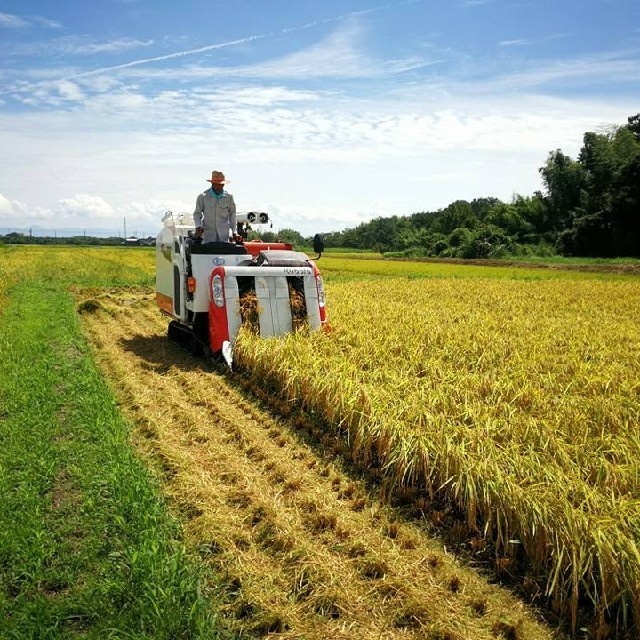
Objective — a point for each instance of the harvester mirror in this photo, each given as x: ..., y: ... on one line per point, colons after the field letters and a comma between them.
x: 318, y: 244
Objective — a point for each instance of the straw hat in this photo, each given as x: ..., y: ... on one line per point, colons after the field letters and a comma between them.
x: 217, y: 177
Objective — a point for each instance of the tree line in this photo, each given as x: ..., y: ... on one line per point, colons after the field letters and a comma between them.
x: 590, y: 206
x: 19, y: 237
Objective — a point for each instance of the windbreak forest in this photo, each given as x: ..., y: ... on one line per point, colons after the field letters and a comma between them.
x: 590, y: 206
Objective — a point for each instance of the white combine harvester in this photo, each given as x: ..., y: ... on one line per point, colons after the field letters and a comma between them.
x: 207, y: 288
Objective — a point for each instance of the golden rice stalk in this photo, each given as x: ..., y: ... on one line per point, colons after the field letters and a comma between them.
x: 517, y: 399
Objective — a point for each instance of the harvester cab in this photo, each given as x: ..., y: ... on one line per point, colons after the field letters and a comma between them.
x: 210, y: 290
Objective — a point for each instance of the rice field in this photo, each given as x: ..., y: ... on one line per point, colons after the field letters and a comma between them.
x: 499, y: 403
x: 517, y: 400
x: 302, y: 547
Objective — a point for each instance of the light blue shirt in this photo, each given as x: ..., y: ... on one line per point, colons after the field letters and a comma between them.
x: 216, y: 213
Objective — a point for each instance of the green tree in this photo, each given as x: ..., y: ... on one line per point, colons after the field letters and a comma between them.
x: 607, y: 224
x: 509, y: 218
x: 633, y: 124
x: 290, y: 235
x: 482, y: 206
x: 488, y: 242
x: 565, y: 181
x: 457, y: 214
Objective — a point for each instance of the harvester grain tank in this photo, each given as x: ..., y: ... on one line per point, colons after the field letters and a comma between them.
x: 206, y: 289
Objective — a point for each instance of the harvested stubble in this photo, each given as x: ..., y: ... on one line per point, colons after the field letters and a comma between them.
x: 303, y: 550
x: 518, y: 399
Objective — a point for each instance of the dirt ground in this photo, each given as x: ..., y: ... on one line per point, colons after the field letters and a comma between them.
x: 302, y: 546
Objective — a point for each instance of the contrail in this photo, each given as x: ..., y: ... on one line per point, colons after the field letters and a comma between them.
x: 231, y: 43
x: 169, y: 56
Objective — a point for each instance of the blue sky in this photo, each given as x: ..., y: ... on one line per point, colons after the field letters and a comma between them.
x: 325, y: 114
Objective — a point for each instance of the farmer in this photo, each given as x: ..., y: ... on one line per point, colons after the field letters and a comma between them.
x: 215, y: 213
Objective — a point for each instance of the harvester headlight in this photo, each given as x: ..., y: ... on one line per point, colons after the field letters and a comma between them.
x: 264, y: 218
x: 218, y: 291
x: 251, y: 216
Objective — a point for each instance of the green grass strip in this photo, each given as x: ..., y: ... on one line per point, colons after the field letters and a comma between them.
x: 87, y: 548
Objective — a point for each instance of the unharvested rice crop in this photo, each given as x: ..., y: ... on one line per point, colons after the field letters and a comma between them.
x: 517, y: 400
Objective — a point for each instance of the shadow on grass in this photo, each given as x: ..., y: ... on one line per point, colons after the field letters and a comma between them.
x: 162, y: 356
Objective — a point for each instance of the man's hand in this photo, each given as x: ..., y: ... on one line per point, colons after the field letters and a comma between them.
x: 199, y: 232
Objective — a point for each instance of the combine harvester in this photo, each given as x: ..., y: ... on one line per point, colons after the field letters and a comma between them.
x: 209, y: 289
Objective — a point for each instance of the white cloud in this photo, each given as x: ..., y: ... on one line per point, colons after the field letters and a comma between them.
x: 11, y: 207
x: 339, y: 55
x: 46, y: 22
x: 100, y: 84
x: 81, y: 45
x: 70, y: 91
x: 613, y: 67
x: 12, y: 21
x: 253, y: 124
x: 310, y: 219
x: 84, y: 211
x: 556, y: 36
x: 17, y: 214
x: 514, y: 43
x: 145, y: 213
x: 258, y: 96
x: 112, y: 46
x: 85, y: 206
x: 52, y: 93
x: 42, y: 214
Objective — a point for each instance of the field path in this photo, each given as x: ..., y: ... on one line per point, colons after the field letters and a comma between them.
x: 302, y: 549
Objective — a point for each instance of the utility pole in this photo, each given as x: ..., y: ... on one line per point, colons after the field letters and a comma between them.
x: 125, y: 227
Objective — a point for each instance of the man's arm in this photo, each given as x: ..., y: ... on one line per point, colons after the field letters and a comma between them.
x: 197, y: 215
